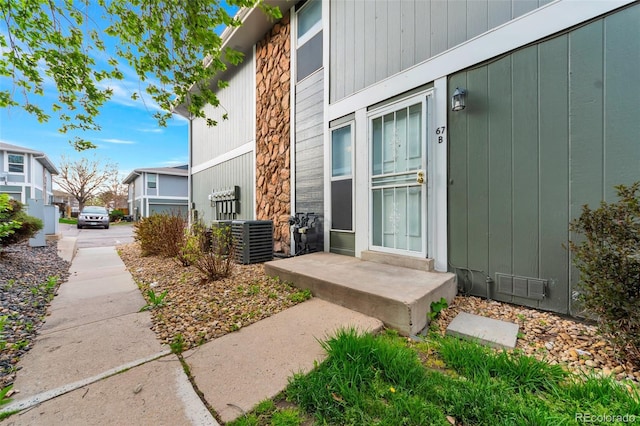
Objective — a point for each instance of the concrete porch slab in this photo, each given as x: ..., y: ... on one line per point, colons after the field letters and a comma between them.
x: 399, y: 297
x: 488, y: 331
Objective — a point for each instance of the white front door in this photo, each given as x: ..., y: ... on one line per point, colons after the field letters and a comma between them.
x: 398, y: 178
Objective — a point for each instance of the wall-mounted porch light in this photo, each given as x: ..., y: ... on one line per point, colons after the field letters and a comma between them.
x: 458, y: 99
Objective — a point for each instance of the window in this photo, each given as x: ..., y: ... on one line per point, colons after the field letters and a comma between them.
x: 341, y: 152
x: 309, y: 39
x: 16, y: 163
x: 152, y: 181
x: 342, y: 179
x: 309, y: 20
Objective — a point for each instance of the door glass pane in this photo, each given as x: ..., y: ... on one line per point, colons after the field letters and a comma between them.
x: 401, y: 141
x: 388, y: 144
x: 377, y: 217
x: 414, y: 222
x: 390, y: 218
x: 414, y: 154
x: 401, y: 217
x: 377, y: 146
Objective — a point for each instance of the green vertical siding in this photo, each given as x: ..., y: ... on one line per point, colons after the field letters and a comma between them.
x: 500, y: 167
x: 586, y: 112
x: 554, y: 166
x: 478, y: 156
x: 547, y: 129
x: 458, y: 206
x: 342, y: 243
x: 622, y: 83
x: 524, y: 77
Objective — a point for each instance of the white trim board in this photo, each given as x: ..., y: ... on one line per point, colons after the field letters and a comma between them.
x: 237, y: 152
x: 537, y: 24
x: 437, y: 169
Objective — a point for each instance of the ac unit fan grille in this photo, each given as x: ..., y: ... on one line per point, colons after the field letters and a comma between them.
x: 253, y: 240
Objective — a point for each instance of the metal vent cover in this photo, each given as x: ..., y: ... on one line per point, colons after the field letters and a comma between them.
x: 527, y: 287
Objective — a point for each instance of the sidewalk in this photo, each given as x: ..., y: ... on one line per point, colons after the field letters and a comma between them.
x: 96, y: 361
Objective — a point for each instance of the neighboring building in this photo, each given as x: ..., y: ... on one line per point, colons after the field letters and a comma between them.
x: 158, y: 190
x: 68, y: 205
x: 26, y: 175
x: 345, y: 109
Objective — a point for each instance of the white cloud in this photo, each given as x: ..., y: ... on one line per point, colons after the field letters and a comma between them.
x: 151, y: 130
x: 122, y: 91
x: 178, y: 161
x: 117, y: 141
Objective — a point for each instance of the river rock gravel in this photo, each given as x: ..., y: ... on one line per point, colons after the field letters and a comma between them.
x: 559, y: 340
x: 26, y: 289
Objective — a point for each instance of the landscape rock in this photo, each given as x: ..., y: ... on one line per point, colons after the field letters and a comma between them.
x: 546, y: 336
x: 26, y: 289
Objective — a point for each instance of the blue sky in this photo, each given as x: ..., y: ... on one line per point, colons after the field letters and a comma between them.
x: 130, y: 136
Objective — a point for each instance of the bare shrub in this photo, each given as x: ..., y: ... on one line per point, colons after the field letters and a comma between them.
x: 161, y: 234
x: 209, y: 250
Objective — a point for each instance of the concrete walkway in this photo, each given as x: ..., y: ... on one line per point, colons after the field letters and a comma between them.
x: 97, y: 362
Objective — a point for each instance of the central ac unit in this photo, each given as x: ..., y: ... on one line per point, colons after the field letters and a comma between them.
x: 252, y: 240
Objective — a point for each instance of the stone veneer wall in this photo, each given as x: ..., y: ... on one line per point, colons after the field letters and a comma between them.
x: 273, y: 186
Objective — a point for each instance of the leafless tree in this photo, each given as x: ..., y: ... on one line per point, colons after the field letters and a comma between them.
x: 115, y: 193
x: 85, y: 178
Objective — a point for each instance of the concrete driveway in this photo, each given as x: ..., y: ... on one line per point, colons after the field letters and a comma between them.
x: 120, y: 233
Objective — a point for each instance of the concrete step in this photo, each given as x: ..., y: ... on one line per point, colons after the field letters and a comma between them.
x: 398, y: 260
x: 399, y: 297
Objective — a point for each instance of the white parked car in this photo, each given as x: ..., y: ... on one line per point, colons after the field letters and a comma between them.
x: 93, y: 216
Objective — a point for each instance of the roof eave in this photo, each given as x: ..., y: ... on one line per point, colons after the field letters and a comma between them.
x: 255, y: 23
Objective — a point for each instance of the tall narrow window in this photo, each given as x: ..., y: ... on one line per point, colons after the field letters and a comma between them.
x: 342, y: 179
x: 309, y: 20
x: 152, y: 181
x: 16, y: 163
x: 309, y: 39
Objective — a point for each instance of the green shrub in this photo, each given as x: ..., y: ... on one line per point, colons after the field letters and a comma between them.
x: 609, y: 263
x: 195, y: 242
x: 210, y: 251
x: 161, y: 234
x: 15, y: 225
x: 116, y: 215
x: 7, y: 226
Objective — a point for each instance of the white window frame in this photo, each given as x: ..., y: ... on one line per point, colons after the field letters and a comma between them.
x: 315, y: 29
x: 351, y: 124
x: 155, y: 181
x: 9, y: 163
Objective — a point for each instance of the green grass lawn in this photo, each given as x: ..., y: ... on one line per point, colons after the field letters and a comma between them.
x: 388, y: 380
